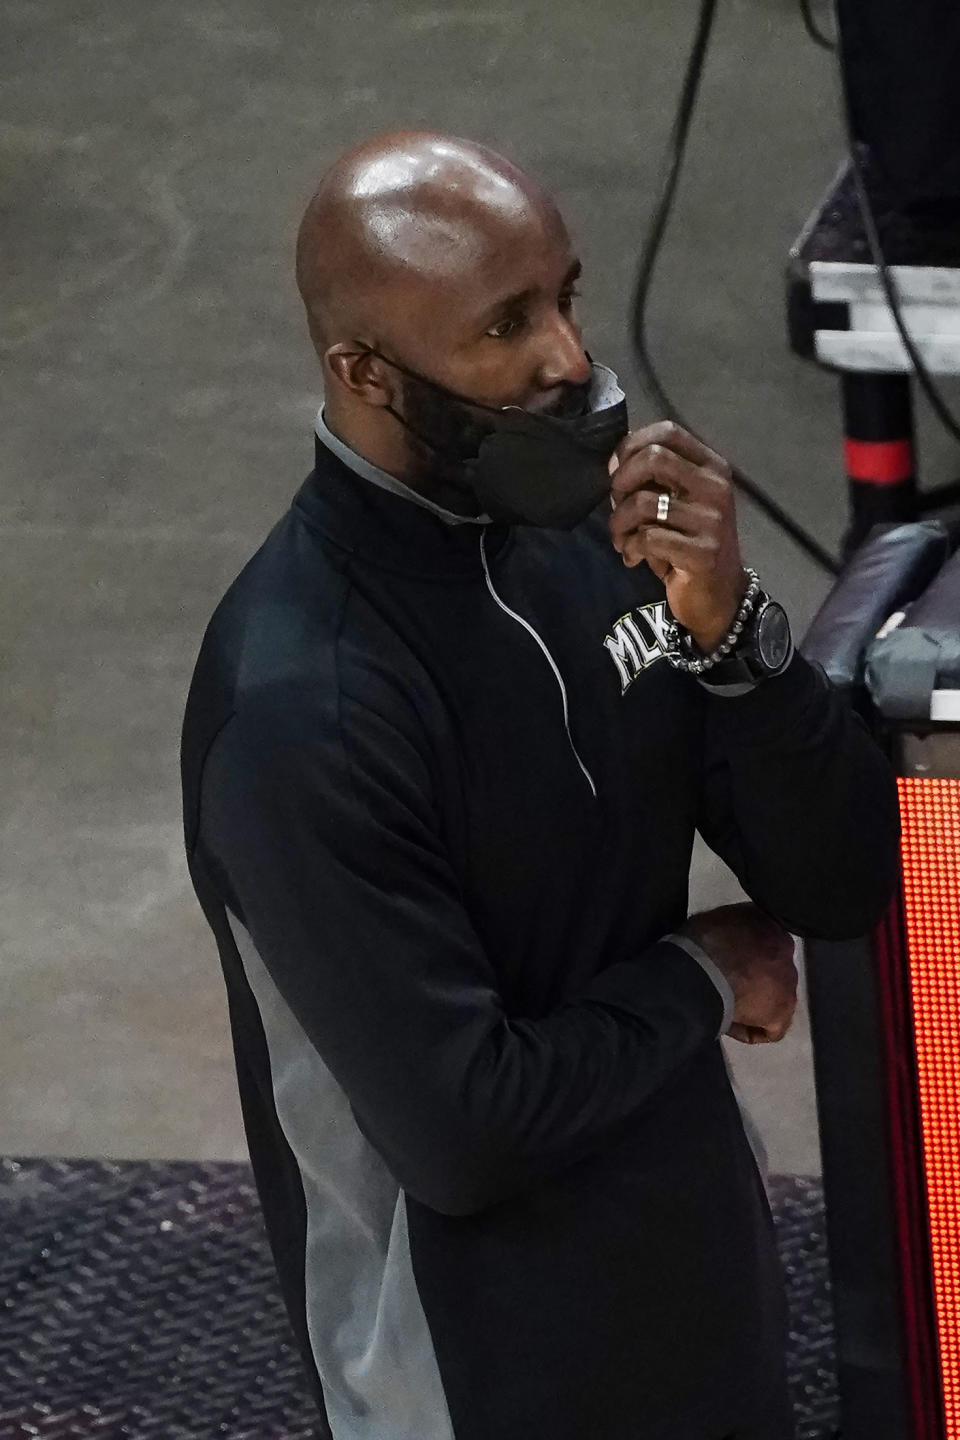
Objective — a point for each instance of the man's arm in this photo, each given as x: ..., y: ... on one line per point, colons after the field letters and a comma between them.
x: 800, y: 803
x: 796, y: 797
x: 327, y: 842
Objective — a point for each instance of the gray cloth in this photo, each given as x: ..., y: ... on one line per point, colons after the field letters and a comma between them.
x: 713, y: 970
x: 366, y: 468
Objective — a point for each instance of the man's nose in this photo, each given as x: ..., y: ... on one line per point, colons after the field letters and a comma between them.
x: 564, y: 360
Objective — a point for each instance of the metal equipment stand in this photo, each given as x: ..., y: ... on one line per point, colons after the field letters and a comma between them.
x: 838, y: 317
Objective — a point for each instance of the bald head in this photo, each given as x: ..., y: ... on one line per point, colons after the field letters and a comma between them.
x: 421, y: 255
x: 407, y: 217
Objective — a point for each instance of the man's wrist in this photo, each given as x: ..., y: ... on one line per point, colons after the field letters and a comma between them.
x: 684, y: 653
x: 708, y: 640
x: 757, y: 647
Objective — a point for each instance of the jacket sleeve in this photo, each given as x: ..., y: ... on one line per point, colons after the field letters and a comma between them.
x: 801, y: 803
x: 327, y: 842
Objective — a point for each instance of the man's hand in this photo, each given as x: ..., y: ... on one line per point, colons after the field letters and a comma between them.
x: 696, y: 553
x: 756, y: 956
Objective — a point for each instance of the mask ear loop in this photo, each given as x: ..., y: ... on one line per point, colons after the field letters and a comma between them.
x: 444, y: 389
x: 433, y: 384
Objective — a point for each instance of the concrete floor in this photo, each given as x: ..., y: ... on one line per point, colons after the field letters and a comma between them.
x: 160, y: 391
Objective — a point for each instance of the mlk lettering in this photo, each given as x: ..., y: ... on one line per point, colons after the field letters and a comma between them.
x: 637, y: 640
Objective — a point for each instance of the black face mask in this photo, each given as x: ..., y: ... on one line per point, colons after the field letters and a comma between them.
x: 521, y: 468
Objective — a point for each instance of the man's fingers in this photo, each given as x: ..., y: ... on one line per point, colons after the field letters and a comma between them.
x: 769, y: 1033
x: 665, y: 437
x: 757, y: 1034
x: 656, y: 468
x: 746, y: 1034
x: 697, y: 554
x: 639, y: 510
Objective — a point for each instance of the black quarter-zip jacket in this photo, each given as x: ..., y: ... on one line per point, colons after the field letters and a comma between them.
x: 440, y: 794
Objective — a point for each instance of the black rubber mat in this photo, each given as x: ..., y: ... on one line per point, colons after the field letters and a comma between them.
x: 139, y: 1299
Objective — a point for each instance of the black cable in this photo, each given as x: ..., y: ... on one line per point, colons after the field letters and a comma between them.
x: 648, y: 257
x: 813, y: 29
x: 938, y: 404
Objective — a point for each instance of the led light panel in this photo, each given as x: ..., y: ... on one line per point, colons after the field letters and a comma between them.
x: 930, y: 813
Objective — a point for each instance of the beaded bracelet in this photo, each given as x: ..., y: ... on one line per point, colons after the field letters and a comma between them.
x: 682, y: 638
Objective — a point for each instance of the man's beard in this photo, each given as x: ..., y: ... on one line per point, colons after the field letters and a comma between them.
x: 444, y: 434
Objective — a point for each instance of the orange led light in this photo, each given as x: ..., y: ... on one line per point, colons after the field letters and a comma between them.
x: 930, y: 814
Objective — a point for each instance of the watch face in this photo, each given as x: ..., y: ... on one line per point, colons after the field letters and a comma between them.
x: 773, y: 636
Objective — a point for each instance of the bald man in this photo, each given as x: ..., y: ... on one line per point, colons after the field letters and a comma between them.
x: 450, y: 734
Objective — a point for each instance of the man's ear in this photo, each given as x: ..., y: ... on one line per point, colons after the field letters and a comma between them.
x: 360, y: 371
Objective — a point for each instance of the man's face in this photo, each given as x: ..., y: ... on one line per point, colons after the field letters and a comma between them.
x: 505, y: 333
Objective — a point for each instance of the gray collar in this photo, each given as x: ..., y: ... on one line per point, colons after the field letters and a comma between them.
x: 385, y: 480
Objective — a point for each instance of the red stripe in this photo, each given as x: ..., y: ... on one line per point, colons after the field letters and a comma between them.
x: 879, y: 462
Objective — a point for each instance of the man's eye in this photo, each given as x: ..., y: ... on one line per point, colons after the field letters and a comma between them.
x: 568, y: 297
x: 506, y: 327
